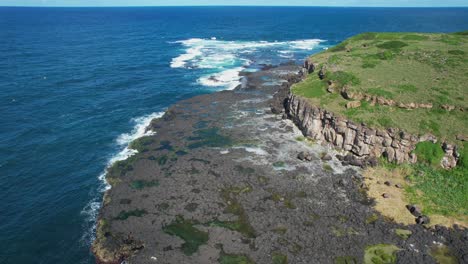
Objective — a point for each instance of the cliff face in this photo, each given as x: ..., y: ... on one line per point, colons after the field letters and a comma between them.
x: 364, y: 142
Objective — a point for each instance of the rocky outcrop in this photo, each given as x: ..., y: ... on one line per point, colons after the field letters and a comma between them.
x: 364, y: 142
x: 379, y: 100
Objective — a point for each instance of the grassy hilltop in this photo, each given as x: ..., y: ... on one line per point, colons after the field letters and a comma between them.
x: 412, y: 81
x: 426, y: 69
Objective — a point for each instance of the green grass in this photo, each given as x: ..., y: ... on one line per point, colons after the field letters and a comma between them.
x: 343, y: 78
x: 439, y: 191
x: 405, y: 67
x: 429, y: 153
x: 192, y: 236
x: 393, y: 45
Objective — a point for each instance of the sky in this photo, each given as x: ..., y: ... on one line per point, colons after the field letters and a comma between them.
x: 374, y: 3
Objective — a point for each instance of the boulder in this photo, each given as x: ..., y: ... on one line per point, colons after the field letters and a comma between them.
x: 414, y: 210
x: 309, y: 65
x: 327, y: 157
x: 353, y: 104
x: 321, y: 74
x: 422, y: 220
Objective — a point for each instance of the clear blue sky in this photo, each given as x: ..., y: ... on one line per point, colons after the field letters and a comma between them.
x: 406, y: 3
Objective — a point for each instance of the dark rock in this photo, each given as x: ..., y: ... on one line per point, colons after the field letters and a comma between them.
x: 422, y: 220
x: 387, y: 183
x: 372, y: 162
x: 414, y: 210
x: 321, y: 74
x: 340, y: 157
x: 284, y: 116
x: 301, y: 155
x: 398, y: 186
x: 385, y: 195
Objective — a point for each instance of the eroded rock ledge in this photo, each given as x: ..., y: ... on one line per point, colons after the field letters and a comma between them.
x: 364, y: 142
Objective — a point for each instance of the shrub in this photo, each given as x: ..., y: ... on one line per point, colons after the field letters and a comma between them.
x: 394, y: 44
x: 429, y: 153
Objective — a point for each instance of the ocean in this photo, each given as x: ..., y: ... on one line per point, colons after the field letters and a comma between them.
x: 78, y: 84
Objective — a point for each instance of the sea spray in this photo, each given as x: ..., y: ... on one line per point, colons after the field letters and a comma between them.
x: 224, y: 60
x: 91, y: 210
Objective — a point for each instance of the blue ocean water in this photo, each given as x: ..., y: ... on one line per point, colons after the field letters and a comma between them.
x: 77, y: 84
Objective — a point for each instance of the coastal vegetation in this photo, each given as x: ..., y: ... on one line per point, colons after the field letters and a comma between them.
x: 414, y: 82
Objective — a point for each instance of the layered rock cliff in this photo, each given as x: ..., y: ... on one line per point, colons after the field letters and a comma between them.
x: 364, y: 142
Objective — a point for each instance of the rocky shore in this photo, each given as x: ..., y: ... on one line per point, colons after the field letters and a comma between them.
x: 227, y: 178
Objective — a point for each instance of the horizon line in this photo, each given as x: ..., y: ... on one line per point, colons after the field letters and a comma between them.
x: 324, y: 6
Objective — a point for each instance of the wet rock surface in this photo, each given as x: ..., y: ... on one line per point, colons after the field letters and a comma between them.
x: 224, y: 179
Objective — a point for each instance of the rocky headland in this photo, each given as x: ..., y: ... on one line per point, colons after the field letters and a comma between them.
x: 229, y: 178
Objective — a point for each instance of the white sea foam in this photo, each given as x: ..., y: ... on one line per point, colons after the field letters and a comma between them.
x: 229, y: 79
x: 91, y: 210
x: 227, y: 58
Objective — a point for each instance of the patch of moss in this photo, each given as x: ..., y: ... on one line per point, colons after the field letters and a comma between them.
x: 295, y: 249
x: 380, y: 254
x: 403, y: 233
x: 281, y: 230
x: 372, y: 219
x: 142, y: 144
x: 443, y: 255
x: 124, y: 215
x: 165, y: 145
x: 339, y: 231
x: 346, y: 260
x: 140, y: 184
x: 185, y: 230
x: 279, y: 164
x: 120, y: 168
x: 327, y: 167
x: 242, y: 224
x: 279, y: 258
x: 209, y: 137
x: 234, y: 259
